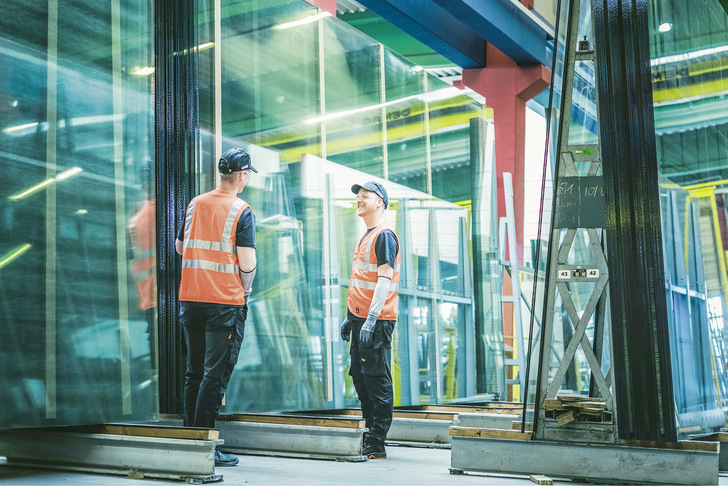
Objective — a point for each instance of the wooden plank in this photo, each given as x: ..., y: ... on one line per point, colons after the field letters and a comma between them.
x: 688, y: 445
x: 426, y: 415
x: 331, y: 412
x: 712, y: 437
x: 295, y: 420
x: 489, y: 433
x: 552, y: 404
x: 159, y: 431
x: 516, y: 425
x: 497, y: 407
x: 565, y: 418
x: 591, y: 405
x: 572, y: 398
x: 541, y: 479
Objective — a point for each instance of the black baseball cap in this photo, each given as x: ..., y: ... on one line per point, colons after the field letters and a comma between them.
x: 234, y: 160
x: 374, y: 187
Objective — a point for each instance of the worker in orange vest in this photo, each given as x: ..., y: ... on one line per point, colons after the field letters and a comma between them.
x: 217, y: 244
x: 142, y: 238
x: 372, y: 304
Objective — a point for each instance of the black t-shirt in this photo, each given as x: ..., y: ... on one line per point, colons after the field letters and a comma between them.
x: 244, y: 234
x: 386, y: 247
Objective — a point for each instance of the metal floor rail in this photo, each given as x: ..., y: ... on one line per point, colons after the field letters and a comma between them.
x: 512, y: 452
x: 410, y: 427
x: 136, y: 451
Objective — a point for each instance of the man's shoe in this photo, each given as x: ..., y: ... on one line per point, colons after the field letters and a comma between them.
x: 376, y: 455
x: 370, y: 453
x: 225, y: 460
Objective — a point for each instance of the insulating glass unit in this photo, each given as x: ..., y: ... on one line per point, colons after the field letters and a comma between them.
x: 406, y: 124
x: 689, y: 60
x: 77, y: 214
x: 320, y: 107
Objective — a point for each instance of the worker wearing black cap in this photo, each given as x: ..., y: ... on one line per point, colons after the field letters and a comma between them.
x: 217, y: 244
x: 372, y: 304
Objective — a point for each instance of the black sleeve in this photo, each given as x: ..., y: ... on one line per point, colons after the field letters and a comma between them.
x: 245, y: 233
x: 181, y: 232
x: 386, y: 248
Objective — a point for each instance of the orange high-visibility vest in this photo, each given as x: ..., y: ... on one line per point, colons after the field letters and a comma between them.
x: 210, y: 271
x: 142, y: 233
x: 364, y: 278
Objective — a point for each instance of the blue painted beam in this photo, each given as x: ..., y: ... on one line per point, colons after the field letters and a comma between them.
x: 435, y: 27
x: 459, y: 29
x: 505, y: 26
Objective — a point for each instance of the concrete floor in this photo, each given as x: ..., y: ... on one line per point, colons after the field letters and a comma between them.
x: 405, y: 466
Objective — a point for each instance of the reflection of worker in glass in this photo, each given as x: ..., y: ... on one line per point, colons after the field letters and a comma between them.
x: 371, y: 315
x: 142, y: 238
x: 217, y: 244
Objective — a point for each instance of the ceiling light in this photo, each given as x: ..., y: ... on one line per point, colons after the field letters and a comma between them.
x: 62, y: 176
x: 201, y: 47
x: 33, y: 189
x: 687, y: 56
x: 69, y: 173
x: 307, y: 20
x: 145, y: 71
x: 666, y: 27
x: 14, y: 254
x: 26, y: 127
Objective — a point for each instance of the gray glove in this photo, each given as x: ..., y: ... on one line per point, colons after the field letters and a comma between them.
x: 346, y: 329
x: 367, y: 331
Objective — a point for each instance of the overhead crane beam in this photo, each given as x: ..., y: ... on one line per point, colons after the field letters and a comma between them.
x: 460, y: 29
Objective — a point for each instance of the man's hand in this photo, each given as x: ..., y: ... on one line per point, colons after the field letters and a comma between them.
x: 346, y: 329
x: 367, y: 331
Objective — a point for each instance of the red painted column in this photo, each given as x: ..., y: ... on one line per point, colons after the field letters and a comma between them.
x: 507, y: 87
x: 328, y: 5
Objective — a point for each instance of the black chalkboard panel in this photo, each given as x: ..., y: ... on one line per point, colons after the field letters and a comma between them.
x: 580, y: 202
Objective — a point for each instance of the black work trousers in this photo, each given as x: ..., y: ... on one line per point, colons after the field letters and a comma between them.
x: 372, y: 375
x: 213, y: 334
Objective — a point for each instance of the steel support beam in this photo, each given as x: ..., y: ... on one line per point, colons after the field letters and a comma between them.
x: 134, y: 456
x: 435, y: 27
x: 593, y: 462
x: 488, y: 420
x: 722, y: 438
x: 506, y: 88
x: 459, y: 29
x: 409, y: 426
x: 414, y: 431
x: 504, y: 26
x: 288, y: 440
x: 327, y: 5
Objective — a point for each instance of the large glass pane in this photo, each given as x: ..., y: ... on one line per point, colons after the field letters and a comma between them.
x: 77, y: 254
x: 405, y: 121
x: 270, y: 76
x: 535, y: 288
x: 313, y: 117
x: 688, y: 49
x: 354, y: 99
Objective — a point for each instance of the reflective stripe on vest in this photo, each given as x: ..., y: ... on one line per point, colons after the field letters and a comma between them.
x: 364, y: 278
x: 210, y: 271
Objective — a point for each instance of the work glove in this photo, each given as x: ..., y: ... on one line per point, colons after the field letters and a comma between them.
x: 367, y: 331
x: 346, y: 329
